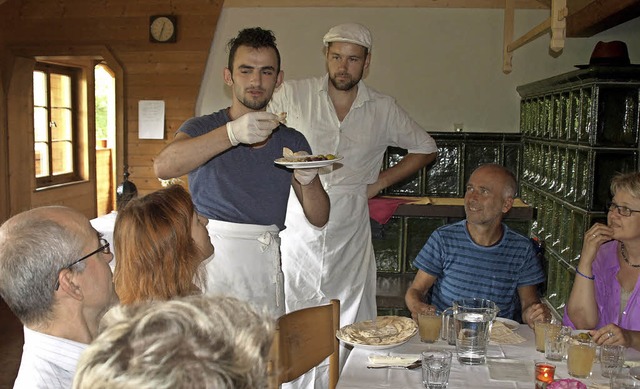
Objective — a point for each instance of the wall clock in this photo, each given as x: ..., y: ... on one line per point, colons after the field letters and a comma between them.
x: 163, y: 28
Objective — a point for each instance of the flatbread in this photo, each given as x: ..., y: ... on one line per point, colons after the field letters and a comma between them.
x: 382, y: 331
x: 282, y: 117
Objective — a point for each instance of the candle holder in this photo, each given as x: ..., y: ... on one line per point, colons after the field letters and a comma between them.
x: 544, y: 374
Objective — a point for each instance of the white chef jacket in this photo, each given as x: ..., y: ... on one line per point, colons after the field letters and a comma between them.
x: 338, y: 261
x: 48, y: 362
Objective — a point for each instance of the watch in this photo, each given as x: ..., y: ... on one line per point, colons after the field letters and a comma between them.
x: 163, y: 28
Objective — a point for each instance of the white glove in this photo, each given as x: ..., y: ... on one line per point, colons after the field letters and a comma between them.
x: 305, y: 176
x: 252, y: 127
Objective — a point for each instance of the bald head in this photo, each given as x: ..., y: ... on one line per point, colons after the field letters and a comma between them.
x: 502, y: 175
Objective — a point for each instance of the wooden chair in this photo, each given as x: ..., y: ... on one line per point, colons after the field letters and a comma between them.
x: 303, y: 339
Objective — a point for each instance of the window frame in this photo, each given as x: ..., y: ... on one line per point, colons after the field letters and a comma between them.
x: 75, y: 75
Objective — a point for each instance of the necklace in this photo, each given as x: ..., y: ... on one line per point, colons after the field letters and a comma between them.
x: 623, y: 251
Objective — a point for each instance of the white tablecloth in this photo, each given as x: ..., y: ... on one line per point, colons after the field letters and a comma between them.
x: 356, y: 375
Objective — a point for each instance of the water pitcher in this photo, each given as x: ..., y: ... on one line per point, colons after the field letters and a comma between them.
x: 473, y: 318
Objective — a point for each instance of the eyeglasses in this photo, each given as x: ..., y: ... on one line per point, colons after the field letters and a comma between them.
x: 622, y: 210
x: 104, y: 248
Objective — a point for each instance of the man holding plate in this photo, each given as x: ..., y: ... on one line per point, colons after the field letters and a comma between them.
x: 229, y: 156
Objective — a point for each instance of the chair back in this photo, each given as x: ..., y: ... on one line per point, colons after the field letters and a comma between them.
x: 303, y: 339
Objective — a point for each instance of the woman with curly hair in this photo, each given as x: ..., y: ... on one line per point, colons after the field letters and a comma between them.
x: 161, y: 243
x: 192, y: 342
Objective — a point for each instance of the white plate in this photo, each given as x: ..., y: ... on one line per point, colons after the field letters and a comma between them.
x: 310, y: 164
x: 511, y: 324
x: 374, y: 346
x: 382, y: 333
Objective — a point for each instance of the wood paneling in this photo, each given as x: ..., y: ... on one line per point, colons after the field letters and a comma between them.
x: 384, y: 3
x: 169, y: 72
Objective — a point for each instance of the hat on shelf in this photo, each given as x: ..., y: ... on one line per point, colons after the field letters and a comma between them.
x: 349, y: 33
x: 612, y: 53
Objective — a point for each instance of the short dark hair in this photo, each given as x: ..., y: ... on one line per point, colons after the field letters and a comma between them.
x: 255, y: 37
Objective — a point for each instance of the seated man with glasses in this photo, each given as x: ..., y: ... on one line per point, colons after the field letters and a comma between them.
x: 55, y: 277
x: 605, y: 296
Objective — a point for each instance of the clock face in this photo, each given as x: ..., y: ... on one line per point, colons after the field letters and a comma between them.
x: 163, y: 29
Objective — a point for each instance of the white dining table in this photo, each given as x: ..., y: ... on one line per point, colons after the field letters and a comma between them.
x: 512, y: 364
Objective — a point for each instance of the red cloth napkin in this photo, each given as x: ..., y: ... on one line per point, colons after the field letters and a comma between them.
x: 381, y: 209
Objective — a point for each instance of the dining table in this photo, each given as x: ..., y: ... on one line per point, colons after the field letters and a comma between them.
x: 507, y: 366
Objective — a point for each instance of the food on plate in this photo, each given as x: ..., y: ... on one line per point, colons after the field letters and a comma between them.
x: 510, y: 324
x: 301, y: 156
x: 581, y: 336
x: 381, y: 331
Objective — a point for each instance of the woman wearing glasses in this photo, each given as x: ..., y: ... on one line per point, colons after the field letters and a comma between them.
x: 161, y: 243
x: 606, y: 291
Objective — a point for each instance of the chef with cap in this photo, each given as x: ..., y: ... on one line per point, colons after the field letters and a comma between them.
x: 339, y: 114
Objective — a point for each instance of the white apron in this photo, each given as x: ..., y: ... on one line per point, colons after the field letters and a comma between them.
x: 246, y: 264
x: 334, y: 262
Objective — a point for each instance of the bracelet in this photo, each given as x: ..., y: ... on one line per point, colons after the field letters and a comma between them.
x: 585, y: 276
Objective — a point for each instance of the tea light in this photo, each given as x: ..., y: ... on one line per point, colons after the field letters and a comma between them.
x: 544, y: 374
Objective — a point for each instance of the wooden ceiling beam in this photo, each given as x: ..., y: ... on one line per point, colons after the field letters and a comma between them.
x: 519, y: 4
x: 587, y: 18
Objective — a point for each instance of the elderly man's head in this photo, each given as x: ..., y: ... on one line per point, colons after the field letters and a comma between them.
x: 489, y: 194
x: 51, y: 257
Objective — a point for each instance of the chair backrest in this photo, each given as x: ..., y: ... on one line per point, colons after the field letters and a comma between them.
x: 303, y: 339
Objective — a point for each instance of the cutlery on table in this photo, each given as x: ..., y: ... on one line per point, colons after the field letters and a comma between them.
x: 410, y: 366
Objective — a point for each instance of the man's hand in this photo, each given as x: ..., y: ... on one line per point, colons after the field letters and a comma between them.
x: 305, y: 176
x: 252, y: 127
x: 422, y: 308
x: 536, y: 312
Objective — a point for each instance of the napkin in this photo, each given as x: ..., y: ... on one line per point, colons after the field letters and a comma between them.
x: 392, y: 360
x: 381, y: 209
x: 502, y: 334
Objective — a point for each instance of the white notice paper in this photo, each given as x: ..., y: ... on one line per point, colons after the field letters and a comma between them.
x: 151, y: 119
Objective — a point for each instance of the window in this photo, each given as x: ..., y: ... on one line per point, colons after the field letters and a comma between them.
x: 55, y: 124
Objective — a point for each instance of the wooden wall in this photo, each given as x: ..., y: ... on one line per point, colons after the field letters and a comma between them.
x: 116, y: 32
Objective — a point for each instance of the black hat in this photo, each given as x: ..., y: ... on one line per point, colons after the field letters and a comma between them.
x: 612, y: 53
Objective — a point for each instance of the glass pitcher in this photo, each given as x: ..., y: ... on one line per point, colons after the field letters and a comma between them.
x: 473, y: 318
x: 448, y: 331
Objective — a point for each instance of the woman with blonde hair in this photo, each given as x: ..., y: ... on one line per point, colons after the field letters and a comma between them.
x: 160, y: 243
x: 605, y: 297
x: 192, y: 342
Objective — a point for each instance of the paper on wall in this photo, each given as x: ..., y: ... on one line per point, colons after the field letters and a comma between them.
x: 151, y: 119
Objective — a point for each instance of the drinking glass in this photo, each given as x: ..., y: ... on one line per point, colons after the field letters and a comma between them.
x: 580, y: 357
x: 429, y: 325
x: 540, y: 328
x: 623, y: 381
x: 436, y: 366
x: 555, y: 343
x: 611, y: 359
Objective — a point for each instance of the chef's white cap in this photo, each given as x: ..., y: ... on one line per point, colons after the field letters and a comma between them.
x: 350, y: 33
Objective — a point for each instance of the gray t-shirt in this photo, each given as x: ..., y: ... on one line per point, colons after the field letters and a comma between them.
x: 243, y: 184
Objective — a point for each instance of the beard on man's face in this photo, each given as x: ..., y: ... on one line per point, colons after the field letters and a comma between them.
x: 344, y: 85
